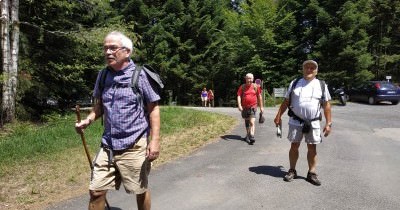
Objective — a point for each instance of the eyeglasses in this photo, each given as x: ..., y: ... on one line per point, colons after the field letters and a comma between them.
x: 112, y: 48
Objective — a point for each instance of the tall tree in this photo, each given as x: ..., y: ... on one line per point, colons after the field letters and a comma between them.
x: 10, y: 45
x: 179, y: 38
x: 61, y: 47
x: 262, y: 39
x: 385, y: 38
x: 343, y: 47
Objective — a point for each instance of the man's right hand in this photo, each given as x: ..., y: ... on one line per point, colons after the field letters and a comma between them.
x: 277, y: 120
x: 80, y: 126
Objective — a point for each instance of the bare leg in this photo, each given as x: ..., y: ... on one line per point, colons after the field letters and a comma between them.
x: 144, y: 201
x: 312, y: 157
x: 97, y: 200
x: 252, y: 126
x: 293, y: 154
x: 247, y: 126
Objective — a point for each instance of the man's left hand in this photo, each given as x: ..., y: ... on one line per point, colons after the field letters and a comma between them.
x: 153, y: 150
x: 327, y: 130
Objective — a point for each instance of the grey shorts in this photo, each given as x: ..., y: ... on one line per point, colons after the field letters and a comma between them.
x: 249, y: 113
x: 295, y: 135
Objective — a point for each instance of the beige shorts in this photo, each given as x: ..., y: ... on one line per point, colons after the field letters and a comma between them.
x: 295, y: 135
x: 129, y: 167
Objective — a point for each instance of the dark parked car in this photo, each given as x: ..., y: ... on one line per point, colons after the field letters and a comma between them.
x: 374, y: 92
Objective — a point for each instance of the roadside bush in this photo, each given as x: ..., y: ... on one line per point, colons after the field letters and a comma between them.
x: 271, y: 101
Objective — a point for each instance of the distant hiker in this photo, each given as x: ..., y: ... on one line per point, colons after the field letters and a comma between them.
x: 304, y: 98
x: 248, y: 96
x: 210, y: 98
x: 131, y: 137
x: 204, y: 97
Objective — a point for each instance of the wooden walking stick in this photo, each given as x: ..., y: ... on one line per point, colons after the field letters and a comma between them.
x: 78, y: 119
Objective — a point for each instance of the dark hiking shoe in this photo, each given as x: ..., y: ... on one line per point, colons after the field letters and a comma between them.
x: 291, y: 174
x: 252, y: 139
x: 246, y: 138
x: 313, y: 179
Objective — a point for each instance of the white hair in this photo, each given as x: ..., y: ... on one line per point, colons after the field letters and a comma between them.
x: 125, y: 41
x: 250, y: 75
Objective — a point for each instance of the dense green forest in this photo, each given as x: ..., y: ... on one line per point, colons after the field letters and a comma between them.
x: 202, y: 43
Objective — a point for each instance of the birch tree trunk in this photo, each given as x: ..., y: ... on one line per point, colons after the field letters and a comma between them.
x: 5, y: 47
x: 13, y: 68
x: 9, y: 48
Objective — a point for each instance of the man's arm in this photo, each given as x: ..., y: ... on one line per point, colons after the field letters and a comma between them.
x: 260, y: 103
x: 328, y: 118
x: 282, y: 109
x: 153, y: 149
x: 239, y: 101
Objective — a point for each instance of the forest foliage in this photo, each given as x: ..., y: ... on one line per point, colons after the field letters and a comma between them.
x: 202, y: 43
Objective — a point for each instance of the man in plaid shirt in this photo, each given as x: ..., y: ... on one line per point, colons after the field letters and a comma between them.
x: 131, y: 137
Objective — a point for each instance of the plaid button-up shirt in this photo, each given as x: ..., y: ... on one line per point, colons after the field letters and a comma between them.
x: 124, y: 119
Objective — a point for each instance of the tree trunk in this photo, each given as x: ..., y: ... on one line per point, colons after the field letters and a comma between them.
x: 9, y: 48
x: 5, y: 46
x: 13, y: 68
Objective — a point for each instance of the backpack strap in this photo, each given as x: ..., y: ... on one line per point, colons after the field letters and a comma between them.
x: 102, y: 84
x: 135, y: 84
x: 255, y: 88
x: 322, y: 83
x: 292, y: 88
x: 102, y: 81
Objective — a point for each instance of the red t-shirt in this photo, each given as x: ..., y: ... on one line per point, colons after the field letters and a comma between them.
x: 210, y: 95
x: 249, y: 99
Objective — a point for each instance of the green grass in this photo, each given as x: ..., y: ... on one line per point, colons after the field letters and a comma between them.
x: 34, y: 142
x: 174, y: 119
x: 30, y: 142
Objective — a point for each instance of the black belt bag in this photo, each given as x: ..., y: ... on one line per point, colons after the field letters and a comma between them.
x: 306, y: 123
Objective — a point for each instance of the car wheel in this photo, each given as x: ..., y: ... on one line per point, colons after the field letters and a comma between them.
x: 395, y: 102
x: 371, y: 100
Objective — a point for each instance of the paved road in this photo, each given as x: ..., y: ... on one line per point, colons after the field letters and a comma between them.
x: 358, y: 167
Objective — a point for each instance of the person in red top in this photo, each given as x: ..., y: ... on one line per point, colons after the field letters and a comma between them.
x: 210, y: 96
x: 248, y: 96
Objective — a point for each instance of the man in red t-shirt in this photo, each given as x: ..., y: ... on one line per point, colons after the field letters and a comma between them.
x: 247, y: 97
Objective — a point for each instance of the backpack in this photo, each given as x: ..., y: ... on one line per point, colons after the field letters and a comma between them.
x: 322, y: 84
x: 154, y: 79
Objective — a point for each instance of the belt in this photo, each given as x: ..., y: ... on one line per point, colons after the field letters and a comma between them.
x: 302, y: 121
x: 111, y: 151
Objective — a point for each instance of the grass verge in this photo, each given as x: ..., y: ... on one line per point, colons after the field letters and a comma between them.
x: 45, y: 164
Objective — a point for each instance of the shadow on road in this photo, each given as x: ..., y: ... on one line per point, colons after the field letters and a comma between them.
x: 232, y: 137
x: 275, y: 171
x: 236, y: 138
